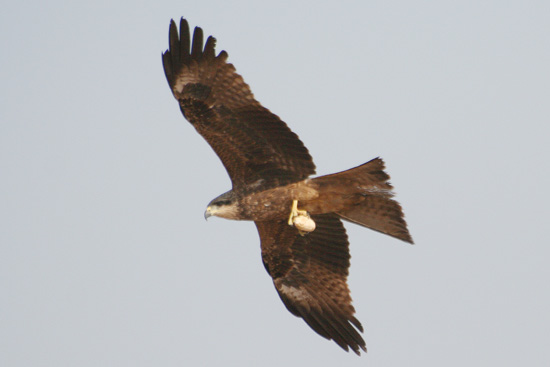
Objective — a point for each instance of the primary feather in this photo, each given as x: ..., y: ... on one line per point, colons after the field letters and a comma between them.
x: 258, y: 150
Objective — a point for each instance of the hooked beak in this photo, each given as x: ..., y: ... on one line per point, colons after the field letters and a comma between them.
x: 207, y: 213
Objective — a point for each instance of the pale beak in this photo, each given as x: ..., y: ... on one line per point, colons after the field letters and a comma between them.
x: 207, y: 213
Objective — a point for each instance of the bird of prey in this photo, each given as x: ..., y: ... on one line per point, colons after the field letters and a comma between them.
x: 304, y: 245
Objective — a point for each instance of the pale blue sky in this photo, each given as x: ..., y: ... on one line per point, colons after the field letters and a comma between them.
x: 105, y: 257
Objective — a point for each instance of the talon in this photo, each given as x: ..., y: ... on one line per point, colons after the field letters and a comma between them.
x: 300, y: 219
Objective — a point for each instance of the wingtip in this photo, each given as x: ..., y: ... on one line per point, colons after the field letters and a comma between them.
x: 197, y: 44
x: 407, y: 236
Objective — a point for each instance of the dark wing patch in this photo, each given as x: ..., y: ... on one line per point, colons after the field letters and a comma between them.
x: 258, y: 150
x: 310, y: 273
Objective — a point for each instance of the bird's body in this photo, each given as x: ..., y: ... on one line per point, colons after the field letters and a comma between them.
x: 360, y: 189
x: 270, y: 204
x: 307, y: 252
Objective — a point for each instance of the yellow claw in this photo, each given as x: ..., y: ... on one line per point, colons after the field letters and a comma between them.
x: 300, y: 219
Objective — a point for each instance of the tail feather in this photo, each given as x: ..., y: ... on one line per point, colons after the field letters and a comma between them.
x: 372, y: 205
x: 369, y: 176
x: 381, y: 214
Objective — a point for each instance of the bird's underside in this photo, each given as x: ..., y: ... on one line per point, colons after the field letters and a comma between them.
x: 304, y: 243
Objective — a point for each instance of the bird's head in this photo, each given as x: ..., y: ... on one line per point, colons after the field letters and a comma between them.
x: 224, y: 206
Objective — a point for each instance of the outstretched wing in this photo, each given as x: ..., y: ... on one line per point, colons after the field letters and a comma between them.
x: 310, y: 273
x: 258, y: 150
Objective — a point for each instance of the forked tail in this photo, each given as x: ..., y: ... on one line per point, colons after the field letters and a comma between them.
x: 372, y: 205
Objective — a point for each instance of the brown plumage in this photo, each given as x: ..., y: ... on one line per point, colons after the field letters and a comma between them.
x: 269, y: 168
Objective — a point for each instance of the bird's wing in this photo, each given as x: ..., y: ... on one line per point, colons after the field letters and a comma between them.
x: 258, y: 150
x: 310, y: 273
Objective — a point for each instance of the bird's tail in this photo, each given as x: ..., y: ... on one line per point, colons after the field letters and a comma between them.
x: 371, y: 203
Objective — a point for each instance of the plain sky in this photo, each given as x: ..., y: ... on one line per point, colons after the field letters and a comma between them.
x: 106, y: 259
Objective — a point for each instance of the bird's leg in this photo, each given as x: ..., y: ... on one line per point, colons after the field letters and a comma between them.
x: 300, y: 219
x: 294, y: 212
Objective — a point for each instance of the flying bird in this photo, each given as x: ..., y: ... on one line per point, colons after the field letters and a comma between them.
x: 304, y: 244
